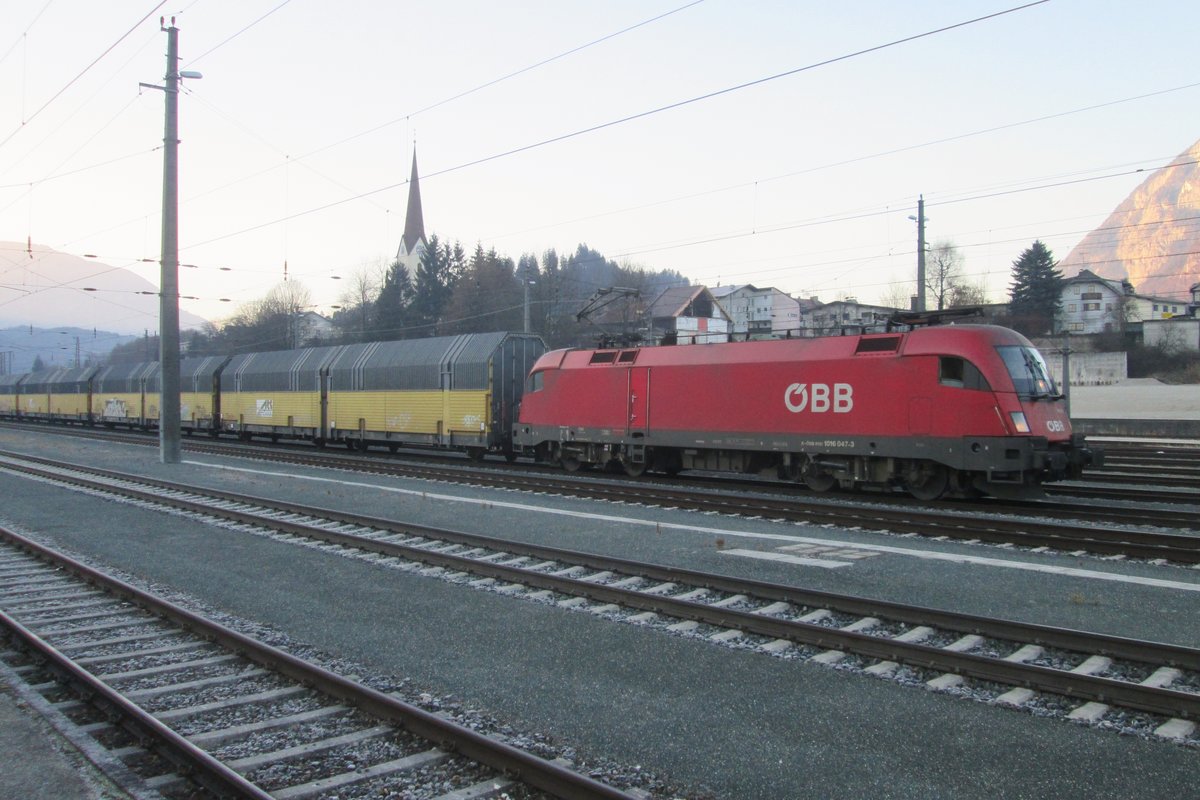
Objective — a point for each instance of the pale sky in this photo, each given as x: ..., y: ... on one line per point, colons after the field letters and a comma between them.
x: 297, y: 142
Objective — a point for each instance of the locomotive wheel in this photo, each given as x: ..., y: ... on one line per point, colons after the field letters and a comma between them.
x: 928, y: 482
x: 819, y: 482
x: 634, y: 469
x: 571, y: 463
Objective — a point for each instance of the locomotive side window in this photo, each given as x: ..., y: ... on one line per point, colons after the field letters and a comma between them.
x: 954, y: 371
x: 1030, y: 375
x: 604, y: 357
x: 950, y: 371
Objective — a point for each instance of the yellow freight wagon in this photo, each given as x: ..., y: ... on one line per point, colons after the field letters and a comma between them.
x: 199, y: 393
x: 119, y: 396
x: 456, y: 392
x: 452, y: 391
x: 279, y: 394
x: 59, y: 395
x: 10, y: 393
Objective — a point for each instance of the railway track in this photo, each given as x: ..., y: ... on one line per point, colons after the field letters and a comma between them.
x: 1157, y: 466
x: 1133, y: 468
x: 1083, y: 676
x: 185, y: 700
x: 1075, y: 528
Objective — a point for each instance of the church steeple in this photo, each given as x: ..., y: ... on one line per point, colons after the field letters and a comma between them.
x: 414, y: 223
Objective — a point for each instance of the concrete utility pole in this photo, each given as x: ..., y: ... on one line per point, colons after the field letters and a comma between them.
x: 920, y: 253
x: 527, y: 283
x: 168, y: 306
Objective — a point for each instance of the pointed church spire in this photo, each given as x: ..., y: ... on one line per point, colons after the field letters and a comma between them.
x: 414, y: 222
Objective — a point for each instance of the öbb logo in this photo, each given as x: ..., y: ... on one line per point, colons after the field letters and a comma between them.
x: 839, y: 398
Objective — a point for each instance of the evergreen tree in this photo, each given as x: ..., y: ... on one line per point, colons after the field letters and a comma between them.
x: 1036, y: 290
x: 433, y: 285
x: 486, y: 297
x: 391, y: 311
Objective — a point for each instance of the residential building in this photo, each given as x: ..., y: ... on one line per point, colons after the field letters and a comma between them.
x: 1092, y: 304
x: 310, y: 327
x: 844, y: 316
x: 756, y: 313
x: 687, y: 315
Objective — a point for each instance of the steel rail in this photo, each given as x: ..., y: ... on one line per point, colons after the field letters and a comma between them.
x: 1160, y: 701
x: 1181, y: 548
x: 526, y: 767
x: 1067, y: 534
x: 1128, y: 494
x: 207, y: 770
x: 362, y: 462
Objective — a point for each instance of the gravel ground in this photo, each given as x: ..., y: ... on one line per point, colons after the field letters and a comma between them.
x: 721, y: 721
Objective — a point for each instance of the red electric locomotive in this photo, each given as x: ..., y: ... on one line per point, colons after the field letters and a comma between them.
x: 951, y: 409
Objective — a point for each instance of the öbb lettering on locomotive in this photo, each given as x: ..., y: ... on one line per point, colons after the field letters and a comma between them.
x: 839, y: 399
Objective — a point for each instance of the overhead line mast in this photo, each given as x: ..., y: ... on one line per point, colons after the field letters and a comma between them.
x: 168, y: 307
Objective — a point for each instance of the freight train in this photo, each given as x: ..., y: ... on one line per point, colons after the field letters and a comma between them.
x: 455, y: 392
x: 936, y: 410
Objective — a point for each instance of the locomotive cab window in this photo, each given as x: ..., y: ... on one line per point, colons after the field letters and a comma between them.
x: 1028, y: 370
x: 536, y: 381
x: 958, y: 372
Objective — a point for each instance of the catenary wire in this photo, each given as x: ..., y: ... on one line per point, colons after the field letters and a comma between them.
x: 629, y: 118
x: 86, y: 69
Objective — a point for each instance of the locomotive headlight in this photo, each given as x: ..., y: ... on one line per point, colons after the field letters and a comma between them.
x: 1019, y: 422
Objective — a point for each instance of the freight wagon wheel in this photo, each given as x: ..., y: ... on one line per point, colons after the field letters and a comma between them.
x: 928, y: 481
x: 476, y: 453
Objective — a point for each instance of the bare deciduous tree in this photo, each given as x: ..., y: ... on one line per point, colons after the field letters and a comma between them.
x: 360, y: 292
x: 943, y: 271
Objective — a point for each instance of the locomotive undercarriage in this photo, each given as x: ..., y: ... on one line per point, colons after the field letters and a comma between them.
x: 1006, y: 472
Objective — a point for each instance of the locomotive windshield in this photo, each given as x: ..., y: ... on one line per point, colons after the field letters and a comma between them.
x: 1029, y: 372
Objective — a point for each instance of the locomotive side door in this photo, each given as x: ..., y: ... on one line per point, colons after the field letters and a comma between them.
x: 638, y: 419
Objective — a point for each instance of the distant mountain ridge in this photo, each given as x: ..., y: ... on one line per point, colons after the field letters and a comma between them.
x: 60, y: 347
x: 1153, y: 236
x: 44, y: 288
